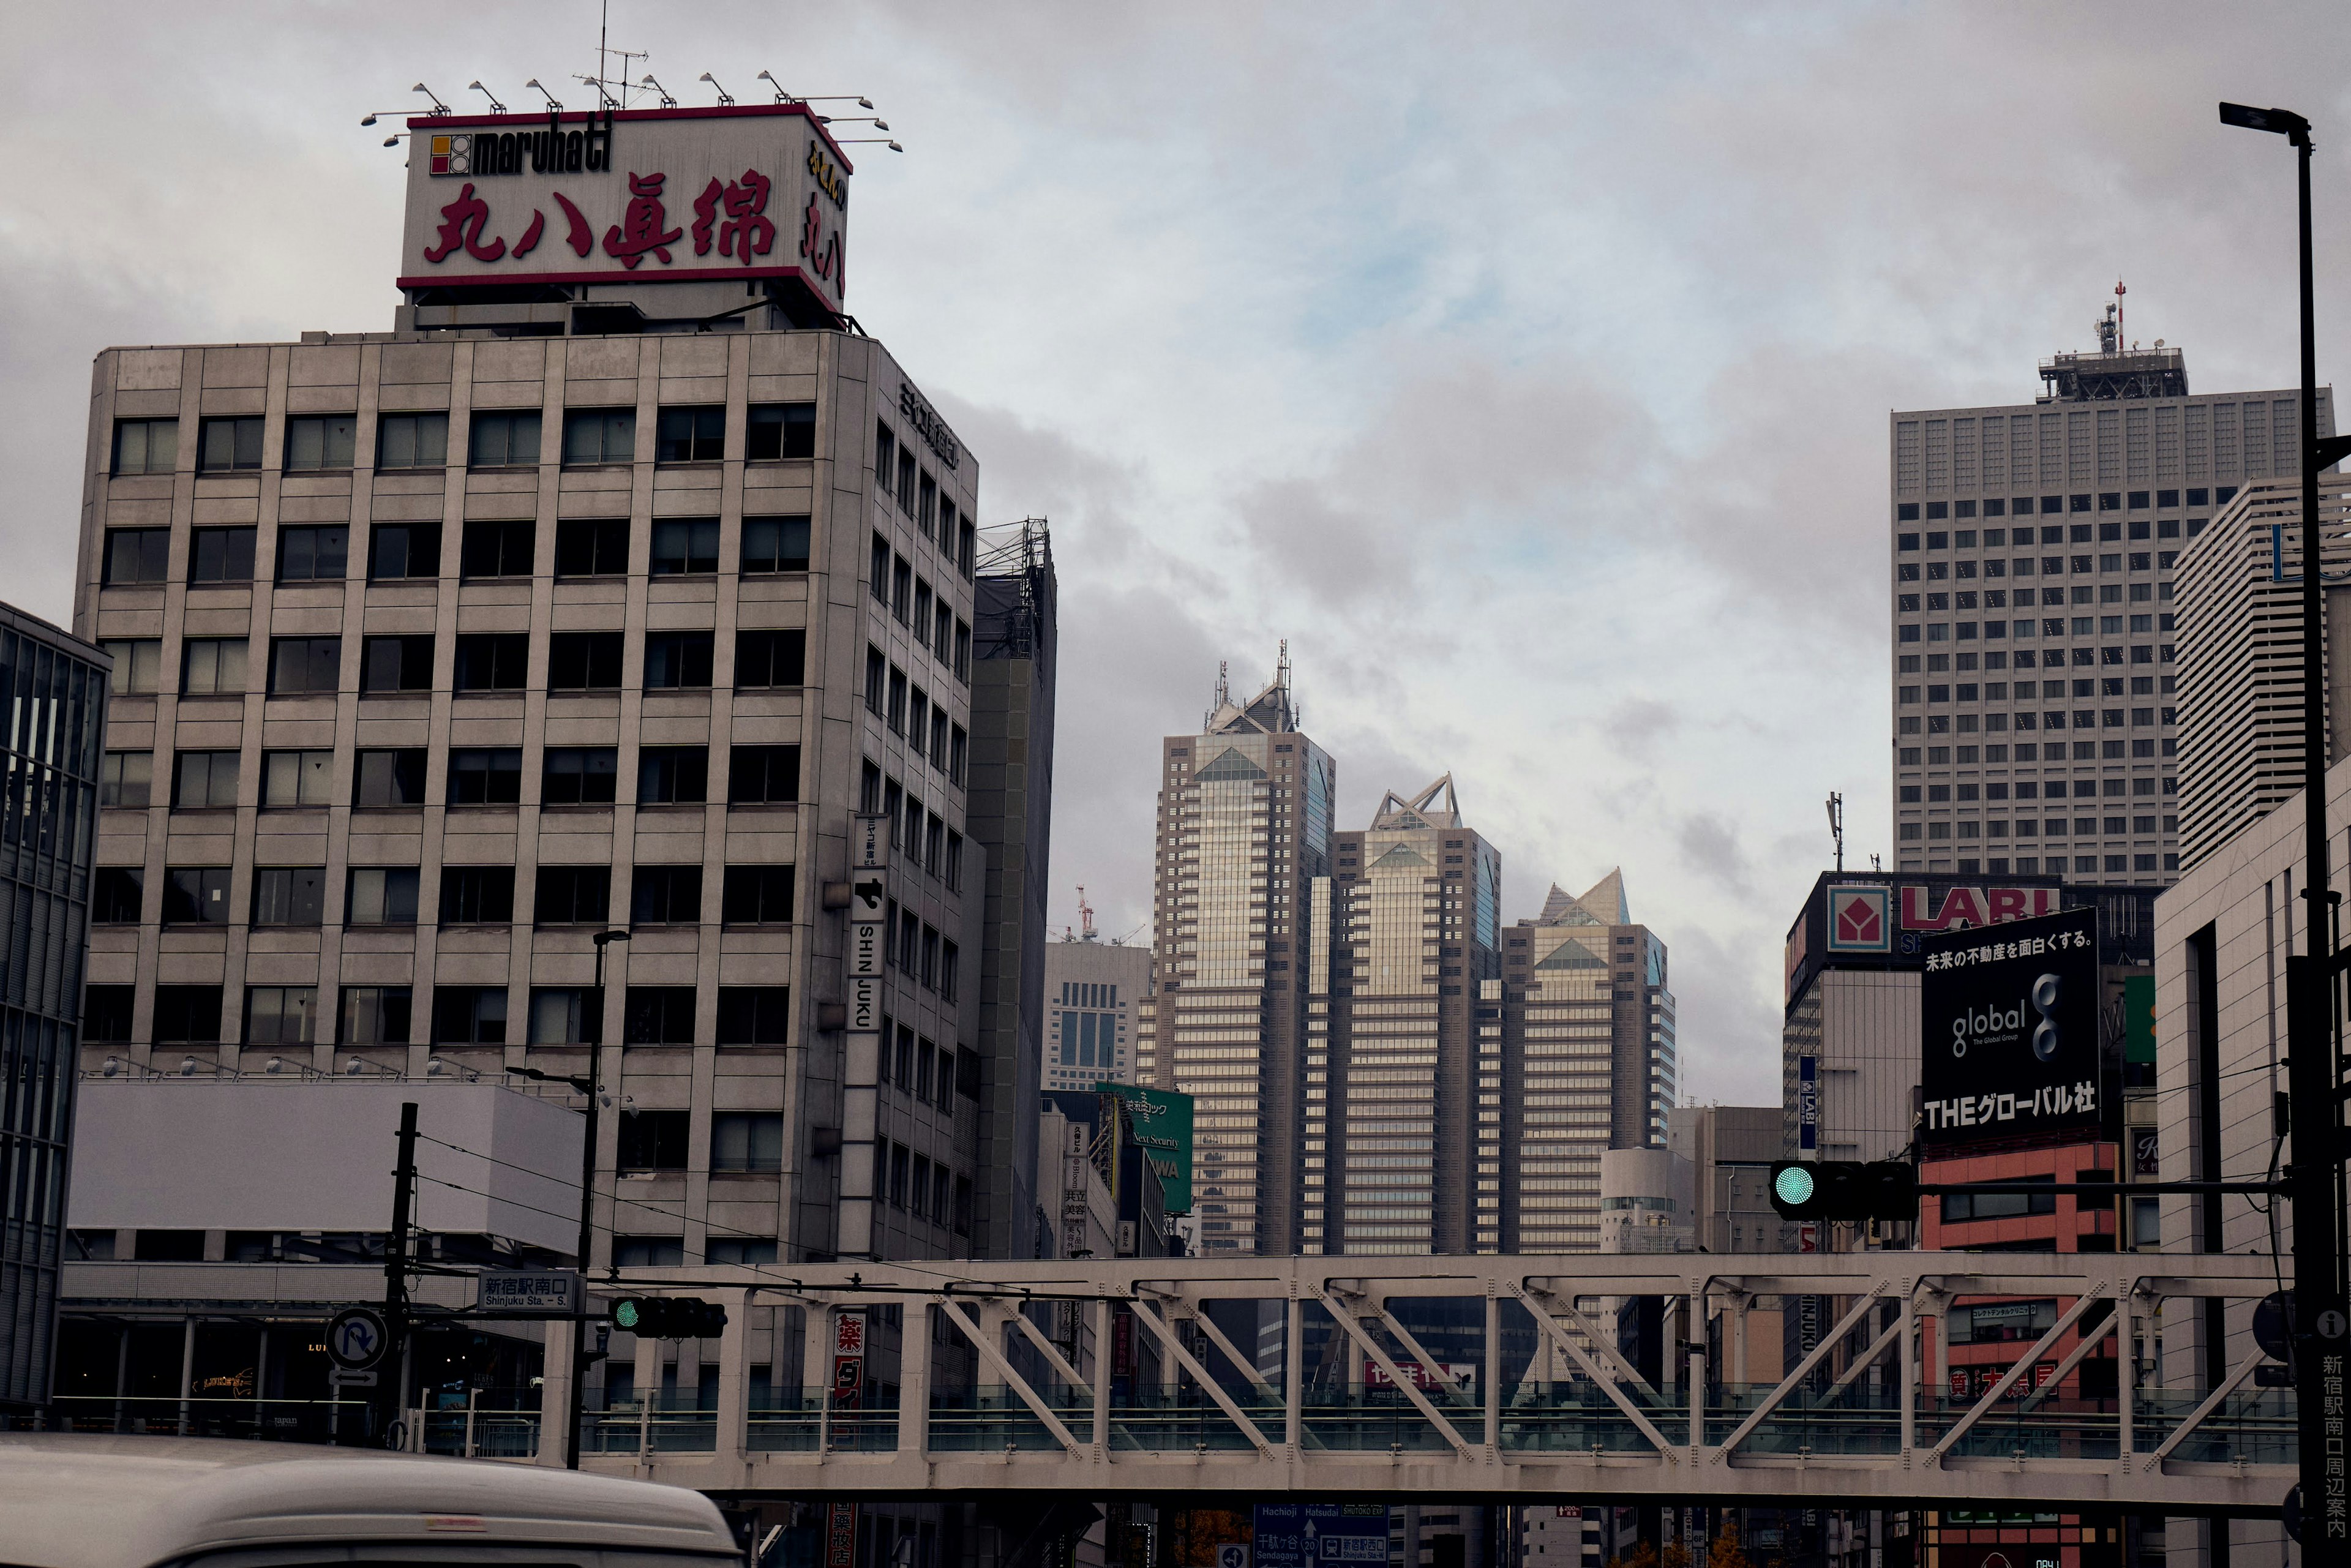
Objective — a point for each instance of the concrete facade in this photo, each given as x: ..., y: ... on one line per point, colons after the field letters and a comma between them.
x: 1095, y: 991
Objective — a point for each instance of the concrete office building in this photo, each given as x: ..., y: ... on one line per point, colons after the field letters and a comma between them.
x: 1588, y: 1060
x: 577, y: 600
x: 1244, y: 828
x: 1403, y: 1089
x: 1092, y: 991
x: 2033, y: 552
x: 56, y: 690
x: 1730, y: 1150
x: 2240, y: 742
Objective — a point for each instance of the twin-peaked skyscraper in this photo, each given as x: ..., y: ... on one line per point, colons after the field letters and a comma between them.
x: 1379, y: 1065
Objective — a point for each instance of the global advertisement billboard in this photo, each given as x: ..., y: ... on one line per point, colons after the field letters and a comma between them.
x: 1162, y: 1121
x: 2009, y: 1025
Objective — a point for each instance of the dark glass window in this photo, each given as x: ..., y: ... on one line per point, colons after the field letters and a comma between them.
x: 118, y: 895
x: 691, y: 436
x: 321, y: 441
x: 877, y: 571
x: 574, y: 895
x: 196, y: 895
x: 397, y: 551
x: 486, y: 775
x: 580, y: 776
x: 591, y: 546
x: 678, y: 660
x: 600, y: 435
x: 396, y: 663
x: 755, y: 1015
x: 469, y: 1015
x: 389, y: 778
x: 654, y: 1140
x: 492, y: 661
x: 289, y: 896
x: 106, y: 1013
x: 764, y: 659
x: 764, y: 774
x: 305, y: 665
x: 477, y: 895
x: 411, y: 441
x: 381, y: 895
x: 226, y: 444
x: 313, y: 554
x: 685, y: 547
x: 505, y: 440
x: 188, y: 1015
x: 780, y: 430
x: 665, y: 895
x: 204, y: 779
x: 376, y: 1015
x: 146, y: 445
x: 497, y: 548
x: 672, y: 775
x: 757, y: 895
x: 659, y: 1015
x: 583, y: 661
x: 299, y: 778
x: 775, y: 544
x: 137, y: 555
x: 885, y: 455
x: 744, y: 1141
x: 220, y: 555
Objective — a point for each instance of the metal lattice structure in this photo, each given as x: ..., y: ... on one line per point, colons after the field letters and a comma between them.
x: 1345, y: 1391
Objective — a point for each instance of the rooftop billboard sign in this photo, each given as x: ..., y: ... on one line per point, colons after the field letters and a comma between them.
x: 683, y: 195
x: 2009, y: 1033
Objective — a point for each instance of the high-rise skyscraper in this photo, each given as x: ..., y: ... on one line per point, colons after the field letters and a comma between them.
x: 1244, y: 828
x: 1403, y: 1090
x: 1588, y: 1061
x: 2033, y: 556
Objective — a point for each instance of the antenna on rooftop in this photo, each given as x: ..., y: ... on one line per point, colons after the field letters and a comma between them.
x: 1837, y: 826
x: 2119, y: 291
x: 1086, y: 916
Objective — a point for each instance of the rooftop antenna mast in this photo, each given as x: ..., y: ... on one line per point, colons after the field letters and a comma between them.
x: 2121, y: 338
x: 1086, y: 916
x: 1837, y: 827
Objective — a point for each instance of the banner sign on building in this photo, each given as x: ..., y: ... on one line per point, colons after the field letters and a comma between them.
x: 1808, y: 1104
x: 1305, y: 1534
x: 746, y: 193
x: 1891, y: 918
x: 2009, y: 1033
x: 1162, y: 1121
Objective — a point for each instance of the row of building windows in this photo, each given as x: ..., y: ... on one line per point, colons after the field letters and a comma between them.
x: 2032, y: 790
x: 910, y: 711
x: 907, y: 596
x: 898, y: 476
x: 2049, y: 718
x: 496, y: 439
x: 2103, y: 501
x: 2052, y: 828
x: 2051, y: 598
x: 2109, y: 626
x: 1942, y: 664
x: 1998, y: 691
x: 469, y: 895
x: 459, y: 1015
x: 2025, y: 539
x: 2024, y: 565
x: 476, y: 776
x: 489, y: 548
x: 2026, y: 751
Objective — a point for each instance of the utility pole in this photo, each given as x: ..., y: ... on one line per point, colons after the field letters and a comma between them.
x: 395, y: 1269
x: 2314, y: 1073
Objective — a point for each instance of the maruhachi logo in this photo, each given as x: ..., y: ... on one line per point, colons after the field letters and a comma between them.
x: 1980, y: 1027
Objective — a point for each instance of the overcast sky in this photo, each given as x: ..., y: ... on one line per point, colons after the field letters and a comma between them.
x: 1525, y: 367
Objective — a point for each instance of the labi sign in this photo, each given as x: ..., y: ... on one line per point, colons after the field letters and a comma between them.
x: 2009, y: 1026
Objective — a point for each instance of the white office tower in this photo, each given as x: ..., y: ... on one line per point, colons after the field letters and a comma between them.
x: 2035, y: 713
x: 1095, y: 991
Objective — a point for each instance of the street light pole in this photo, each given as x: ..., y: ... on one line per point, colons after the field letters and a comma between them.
x: 2313, y: 1079
x: 579, y: 1361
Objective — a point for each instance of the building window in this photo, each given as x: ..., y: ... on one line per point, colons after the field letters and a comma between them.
x: 118, y: 895
x: 497, y: 548
x: 469, y: 1015
x: 301, y: 665
x: 381, y: 895
x: 600, y: 435
x: 492, y: 661
x: 902, y: 584
x: 220, y: 555
x: 411, y: 441
x: 949, y: 964
x: 779, y: 431
x: 885, y: 456
x: 196, y: 895
x: 591, y: 546
x: 672, y: 775
x: 754, y: 1015
x: 400, y: 551
x: 963, y: 652
x: 375, y: 1015
x: 298, y: 777
x: 959, y: 743
x: 389, y: 778
x: 952, y: 873
x: 564, y: 1015
x: 126, y: 777
x: 106, y: 1014
x: 665, y: 895
x: 584, y: 661
x: 688, y: 435
x: 320, y: 441
x: 188, y: 1015
x: 289, y: 896
x: 145, y: 446
x: 505, y: 440
x: 204, y: 779
x: 654, y: 1140
x: 775, y: 544
x: 896, y: 714
x: 769, y: 659
x: 477, y: 895
x: 486, y: 775
x: 580, y: 776
x: 764, y: 776
x: 313, y: 554
x: 966, y: 547
x: 677, y: 661
x: 659, y: 1015
x: 137, y: 556
x: 685, y: 547
x: 138, y: 664
x: 878, y: 570
x: 222, y: 445
x: 876, y: 680
x: 745, y: 1142
x: 394, y: 665
x: 572, y: 895
x: 757, y: 895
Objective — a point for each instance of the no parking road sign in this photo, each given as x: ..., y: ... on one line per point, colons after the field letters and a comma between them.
x: 357, y: 1338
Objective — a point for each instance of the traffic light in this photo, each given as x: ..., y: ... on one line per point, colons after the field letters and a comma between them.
x: 1844, y: 1189
x: 668, y: 1317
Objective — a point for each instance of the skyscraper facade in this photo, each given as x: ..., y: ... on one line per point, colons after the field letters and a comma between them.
x: 2033, y: 548
x: 1092, y: 991
x: 1244, y: 828
x: 1586, y: 1021
x: 1403, y: 1090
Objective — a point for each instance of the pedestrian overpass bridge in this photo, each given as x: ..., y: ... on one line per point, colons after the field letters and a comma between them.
x: 1474, y: 1379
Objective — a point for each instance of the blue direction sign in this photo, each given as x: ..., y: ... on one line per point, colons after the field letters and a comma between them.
x: 1309, y: 1535
x: 357, y: 1338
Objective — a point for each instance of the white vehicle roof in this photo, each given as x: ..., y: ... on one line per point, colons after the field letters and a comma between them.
x: 71, y: 1501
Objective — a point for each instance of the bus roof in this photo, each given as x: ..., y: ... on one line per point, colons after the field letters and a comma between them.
x: 68, y: 1500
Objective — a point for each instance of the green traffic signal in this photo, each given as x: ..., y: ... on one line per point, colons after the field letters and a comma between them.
x: 627, y: 1314
x: 1844, y: 1189
x: 1792, y: 1184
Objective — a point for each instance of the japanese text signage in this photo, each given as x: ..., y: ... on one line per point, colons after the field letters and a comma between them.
x: 1162, y: 1121
x: 2008, y: 1032
x: 527, y: 1290
x: 748, y: 193
x: 869, y: 900
x: 1305, y: 1534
